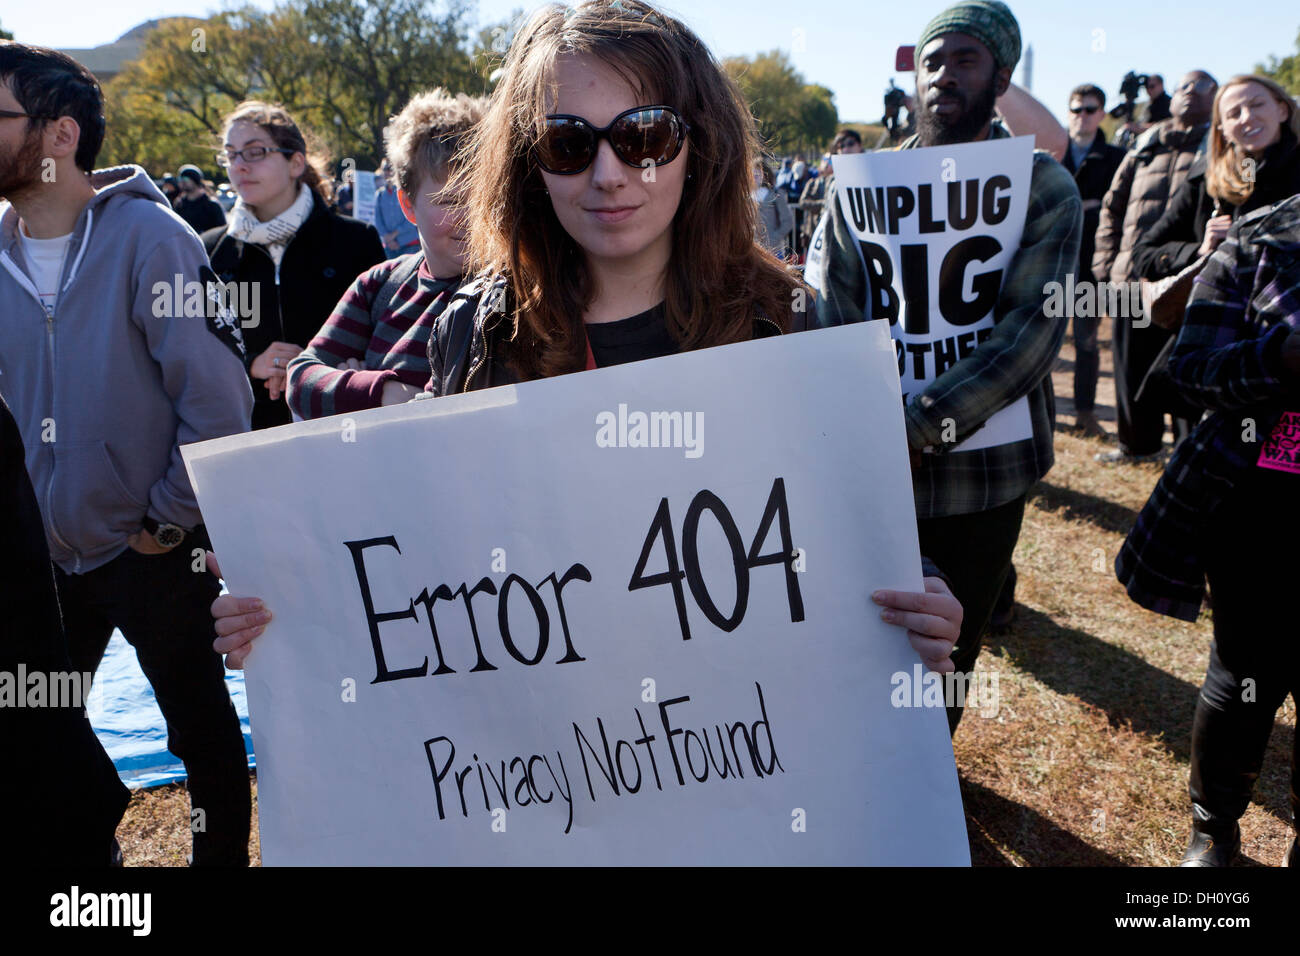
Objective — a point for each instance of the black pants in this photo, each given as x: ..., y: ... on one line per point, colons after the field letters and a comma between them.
x: 1140, y: 423
x: 1087, y: 363
x: 1255, y: 658
x: 974, y: 551
x: 162, y: 606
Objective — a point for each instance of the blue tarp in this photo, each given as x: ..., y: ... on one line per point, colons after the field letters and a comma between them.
x: 127, y: 720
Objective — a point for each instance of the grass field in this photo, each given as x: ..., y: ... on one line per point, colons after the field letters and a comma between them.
x: 1085, y: 761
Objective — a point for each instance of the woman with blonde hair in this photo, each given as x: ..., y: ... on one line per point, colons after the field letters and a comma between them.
x: 610, y: 215
x: 283, y: 245
x: 1253, y: 161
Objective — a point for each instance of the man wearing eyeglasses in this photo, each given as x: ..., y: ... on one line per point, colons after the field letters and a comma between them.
x: 1092, y: 162
x: 108, y: 370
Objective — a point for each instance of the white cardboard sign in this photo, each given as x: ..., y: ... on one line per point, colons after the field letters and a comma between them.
x: 936, y: 229
x: 616, y: 617
x: 363, y: 196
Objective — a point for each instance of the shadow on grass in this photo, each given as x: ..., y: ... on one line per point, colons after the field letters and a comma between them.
x: 1074, y: 505
x: 993, y: 821
x: 1133, y: 694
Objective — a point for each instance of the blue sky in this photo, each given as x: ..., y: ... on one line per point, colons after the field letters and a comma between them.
x: 848, y: 45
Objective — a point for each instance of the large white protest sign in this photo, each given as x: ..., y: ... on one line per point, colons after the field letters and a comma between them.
x: 621, y: 616
x: 936, y: 230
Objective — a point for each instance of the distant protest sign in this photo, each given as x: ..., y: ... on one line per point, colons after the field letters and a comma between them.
x: 1281, y: 450
x: 363, y: 196
x: 617, y: 617
x: 936, y: 230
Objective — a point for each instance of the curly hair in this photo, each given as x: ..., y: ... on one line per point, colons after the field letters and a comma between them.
x: 423, y: 139
x: 718, y: 279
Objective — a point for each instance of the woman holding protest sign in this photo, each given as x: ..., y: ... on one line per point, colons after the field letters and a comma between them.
x: 287, y: 254
x: 610, y: 212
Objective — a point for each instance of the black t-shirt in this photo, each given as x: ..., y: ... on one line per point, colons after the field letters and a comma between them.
x: 643, y: 336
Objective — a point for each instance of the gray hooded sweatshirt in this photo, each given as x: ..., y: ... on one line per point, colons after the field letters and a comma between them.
x: 107, y: 388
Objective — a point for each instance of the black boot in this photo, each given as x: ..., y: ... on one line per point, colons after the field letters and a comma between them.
x: 1225, y: 764
x: 1212, y: 845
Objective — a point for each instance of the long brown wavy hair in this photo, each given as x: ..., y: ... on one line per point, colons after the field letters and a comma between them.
x: 1228, y: 176
x: 718, y: 279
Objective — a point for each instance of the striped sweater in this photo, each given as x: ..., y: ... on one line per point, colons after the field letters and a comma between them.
x: 391, y: 346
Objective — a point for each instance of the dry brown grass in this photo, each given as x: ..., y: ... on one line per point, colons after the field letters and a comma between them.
x: 1086, y: 761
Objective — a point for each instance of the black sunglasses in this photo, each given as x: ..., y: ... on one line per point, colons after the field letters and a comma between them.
x: 642, y: 136
x: 1084, y: 109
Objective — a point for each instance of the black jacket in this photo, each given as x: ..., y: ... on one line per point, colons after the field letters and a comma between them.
x: 202, y: 213
x: 1093, y: 177
x: 320, y: 263
x: 61, y: 799
x: 1158, y: 108
x: 469, y: 340
x: 1172, y: 244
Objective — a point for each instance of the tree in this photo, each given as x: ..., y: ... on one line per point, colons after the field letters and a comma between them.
x: 793, y: 116
x: 5, y: 34
x: 1286, y: 70
x: 341, y: 68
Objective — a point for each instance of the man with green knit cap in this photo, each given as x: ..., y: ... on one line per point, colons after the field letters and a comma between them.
x: 970, y: 504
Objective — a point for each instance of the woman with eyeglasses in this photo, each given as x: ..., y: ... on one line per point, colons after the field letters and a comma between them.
x: 610, y: 215
x: 1253, y: 162
x: 282, y: 246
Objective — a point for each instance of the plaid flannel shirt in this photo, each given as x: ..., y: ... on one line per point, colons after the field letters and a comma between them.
x: 1014, y: 362
x: 1228, y: 359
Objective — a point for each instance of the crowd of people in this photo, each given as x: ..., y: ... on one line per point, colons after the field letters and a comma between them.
x: 515, y: 238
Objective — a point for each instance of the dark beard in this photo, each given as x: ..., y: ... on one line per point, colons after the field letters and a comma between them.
x: 21, y: 169
x: 935, y: 130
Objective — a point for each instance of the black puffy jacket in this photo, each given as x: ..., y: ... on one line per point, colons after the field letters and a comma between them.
x: 320, y: 263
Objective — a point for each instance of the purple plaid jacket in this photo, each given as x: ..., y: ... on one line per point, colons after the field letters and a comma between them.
x: 1228, y: 359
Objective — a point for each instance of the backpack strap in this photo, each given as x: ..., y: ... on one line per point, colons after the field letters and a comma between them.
x: 397, y: 278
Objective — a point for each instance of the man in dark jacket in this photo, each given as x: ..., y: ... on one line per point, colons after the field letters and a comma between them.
x: 1093, y: 164
x: 61, y: 795
x: 1158, y: 101
x: 1146, y: 179
x: 194, y: 205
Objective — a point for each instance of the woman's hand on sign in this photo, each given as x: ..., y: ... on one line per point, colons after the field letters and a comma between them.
x: 932, y: 620
x: 238, y: 621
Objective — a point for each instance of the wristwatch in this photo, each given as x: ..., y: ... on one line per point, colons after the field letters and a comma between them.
x: 167, y: 535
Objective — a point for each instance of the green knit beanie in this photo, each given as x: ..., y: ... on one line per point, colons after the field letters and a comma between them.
x: 989, y: 21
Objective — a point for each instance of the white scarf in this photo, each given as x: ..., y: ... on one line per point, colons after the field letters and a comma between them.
x: 274, y: 234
